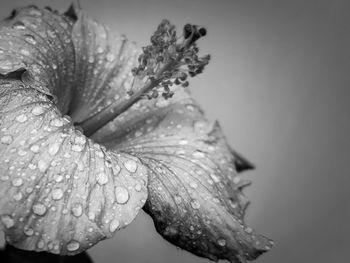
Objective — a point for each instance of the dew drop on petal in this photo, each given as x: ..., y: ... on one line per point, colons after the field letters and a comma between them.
x: 236, y: 180
x: 131, y: 166
x: 138, y: 187
x: 113, y: 226
x: 193, y: 185
x: 53, y: 149
x: 77, y: 148
x: 58, y: 178
x: 102, y: 178
x: 39, y: 209
x: 30, y: 39
x: 35, y: 148
x: 38, y: 110
x: 42, y: 165
x: 222, y: 242
x: 195, y: 204
x: 249, y: 230
x: 28, y: 231
x: 6, y: 139
x: 19, y: 25
x: 25, y: 52
x: 7, y: 221
x: 21, y: 118
x: 110, y: 57
x: 73, y: 245
x: 58, y: 122
x: 17, y: 182
x: 121, y: 195
x: 41, y: 244
x: 57, y: 194
x: 18, y: 196
x: 77, y: 210
x: 80, y: 140
x: 177, y: 199
x: 183, y: 142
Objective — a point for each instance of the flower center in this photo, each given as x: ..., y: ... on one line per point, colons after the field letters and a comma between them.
x: 166, y: 62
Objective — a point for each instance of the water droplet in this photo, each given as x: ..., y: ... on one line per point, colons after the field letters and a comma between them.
x: 21, y: 152
x: 41, y: 244
x: 113, y: 226
x: 39, y: 209
x: 236, y: 180
x: 73, y: 245
x: 138, y: 187
x: 6, y: 139
x: 57, y: 194
x: 195, y: 204
x: 34, y: 12
x: 198, y: 154
x: 222, y: 242
x: 77, y: 148
x: 28, y: 231
x: 249, y: 230
x: 7, y: 221
x: 183, y: 142
x: 38, y: 110
x: 131, y: 166
x: 102, y: 178
x: 110, y: 57
x: 54, y: 148
x: 178, y: 199
x: 215, y: 178
x: 5, y: 177
x: 193, y: 185
x: 42, y: 165
x: 58, y: 178
x: 18, y: 196
x: 21, y: 118
x: 99, y: 50
x: 77, y: 210
x: 30, y: 39
x: 58, y: 122
x: 19, y: 25
x: 25, y: 52
x: 121, y: 195
x: 35, y: 148
x: 80, y: 140
x: 17, y: 182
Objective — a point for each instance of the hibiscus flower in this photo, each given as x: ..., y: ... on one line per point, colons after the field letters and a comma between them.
x: 93, y: 129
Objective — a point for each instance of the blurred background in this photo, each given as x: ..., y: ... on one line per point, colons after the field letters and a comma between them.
x: 278, y: 83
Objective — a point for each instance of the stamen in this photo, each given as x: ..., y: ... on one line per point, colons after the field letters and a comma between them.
x: 166, y: 62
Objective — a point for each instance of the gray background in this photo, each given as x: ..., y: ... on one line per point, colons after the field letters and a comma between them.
x: 279, y: 85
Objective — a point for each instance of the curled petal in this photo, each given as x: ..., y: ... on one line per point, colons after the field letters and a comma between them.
x: 59, y: 191
x: 195, y: 193
x: 103, y: 68
x: 39, y: 41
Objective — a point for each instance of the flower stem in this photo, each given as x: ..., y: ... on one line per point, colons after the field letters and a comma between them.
x: 100, y: 119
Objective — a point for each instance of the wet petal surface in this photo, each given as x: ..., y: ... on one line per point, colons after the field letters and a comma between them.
x: 60, y: 192
x: 103, y: 68
x: 195, y: 193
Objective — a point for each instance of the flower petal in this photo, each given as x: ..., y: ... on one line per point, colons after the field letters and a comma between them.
x: 103, y: 68
x: 195, y: 194
x: 39, y: 41
x: 59, y: 191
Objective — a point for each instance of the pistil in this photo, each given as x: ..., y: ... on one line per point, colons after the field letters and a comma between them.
x: 167, y: 61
